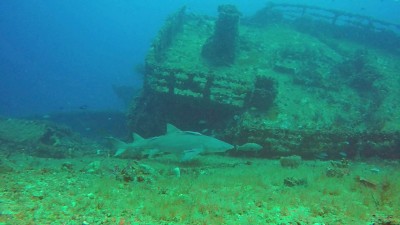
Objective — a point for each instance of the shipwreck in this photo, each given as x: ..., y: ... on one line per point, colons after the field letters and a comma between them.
x: 296, y: 79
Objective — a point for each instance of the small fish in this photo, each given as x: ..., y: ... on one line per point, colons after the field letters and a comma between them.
x: 366, y: 183
x: 83, y: 107
x: 375, y: 170
x: 322, y: 155
x: 343, y: 154
x: 202, y: 122
x: 249, y: 147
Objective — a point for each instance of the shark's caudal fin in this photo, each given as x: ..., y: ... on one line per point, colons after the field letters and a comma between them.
x: 172, y: 129
x: 122, y: 146
x: 119, y: 145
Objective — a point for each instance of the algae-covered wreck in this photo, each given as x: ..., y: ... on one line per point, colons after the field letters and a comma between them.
x: 292, y: 78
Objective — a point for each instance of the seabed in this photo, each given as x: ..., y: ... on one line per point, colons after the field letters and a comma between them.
x: 211, y: 190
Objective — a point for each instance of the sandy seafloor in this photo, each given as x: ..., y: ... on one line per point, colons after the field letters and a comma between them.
x: 211, y: 190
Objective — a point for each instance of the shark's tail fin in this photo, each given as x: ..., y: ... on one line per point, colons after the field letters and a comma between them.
x: 119, y: 145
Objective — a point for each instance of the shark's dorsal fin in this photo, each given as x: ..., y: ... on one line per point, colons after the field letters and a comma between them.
x: 172, y: 129
x: 137, y: 137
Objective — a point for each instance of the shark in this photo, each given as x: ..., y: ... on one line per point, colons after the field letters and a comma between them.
x: 184, y: 144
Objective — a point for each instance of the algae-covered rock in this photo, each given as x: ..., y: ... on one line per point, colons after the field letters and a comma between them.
x: 293, y: 161
x: 292, y: 181
x: 40, y: 138
x: 22, y: 131
x: 136, y: 172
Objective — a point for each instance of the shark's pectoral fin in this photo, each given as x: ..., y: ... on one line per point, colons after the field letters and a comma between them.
x: 190, y: 154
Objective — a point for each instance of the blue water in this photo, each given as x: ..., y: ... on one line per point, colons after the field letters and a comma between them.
x: 61, y: 55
